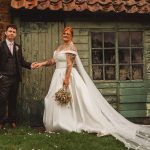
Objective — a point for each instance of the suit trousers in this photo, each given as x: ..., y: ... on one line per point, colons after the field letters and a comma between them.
x: 8, y: 98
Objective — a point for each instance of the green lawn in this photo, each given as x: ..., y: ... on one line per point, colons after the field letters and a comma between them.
x: 26, y: 138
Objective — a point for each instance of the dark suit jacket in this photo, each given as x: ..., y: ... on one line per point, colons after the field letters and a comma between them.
x: 20, y: 62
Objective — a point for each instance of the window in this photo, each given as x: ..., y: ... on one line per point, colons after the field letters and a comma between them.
x: 117, y: 56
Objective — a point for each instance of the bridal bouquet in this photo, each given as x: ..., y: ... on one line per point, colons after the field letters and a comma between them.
x: 63, y: 96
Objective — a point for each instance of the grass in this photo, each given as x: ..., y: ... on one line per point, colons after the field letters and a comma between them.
x: 26, y: 138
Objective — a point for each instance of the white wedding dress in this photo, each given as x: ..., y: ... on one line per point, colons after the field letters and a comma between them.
x: 88, y: 111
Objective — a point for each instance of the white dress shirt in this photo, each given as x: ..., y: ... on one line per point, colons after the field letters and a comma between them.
x: 10, y: 45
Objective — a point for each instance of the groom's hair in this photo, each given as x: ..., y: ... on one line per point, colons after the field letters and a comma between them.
x: 69, y: 29
x: 11, y: 26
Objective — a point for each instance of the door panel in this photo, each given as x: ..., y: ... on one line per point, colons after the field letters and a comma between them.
x: 38, y: 42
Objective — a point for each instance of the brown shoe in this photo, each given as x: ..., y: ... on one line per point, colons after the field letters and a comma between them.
x: 1, y: 126
x: 13, y: 125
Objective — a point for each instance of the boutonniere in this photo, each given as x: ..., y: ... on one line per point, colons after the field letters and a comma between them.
x: 17, y: 48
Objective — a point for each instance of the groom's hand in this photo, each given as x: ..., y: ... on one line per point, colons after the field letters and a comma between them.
x: 34, y: 65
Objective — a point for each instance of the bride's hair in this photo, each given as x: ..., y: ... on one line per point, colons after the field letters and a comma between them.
x: 69, y: 29
x: 70, y: 45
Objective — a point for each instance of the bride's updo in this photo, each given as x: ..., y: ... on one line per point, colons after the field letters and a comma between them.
x: 69, y: 29
x: 70, y: 45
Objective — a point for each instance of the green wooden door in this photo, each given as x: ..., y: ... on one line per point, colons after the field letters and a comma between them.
x: 38, y: 42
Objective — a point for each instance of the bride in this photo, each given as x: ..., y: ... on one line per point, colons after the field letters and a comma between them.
x: 88, y: 110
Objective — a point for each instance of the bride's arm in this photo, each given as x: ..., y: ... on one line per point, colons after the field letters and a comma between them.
x: 70, y: 60
x: 46, y: 63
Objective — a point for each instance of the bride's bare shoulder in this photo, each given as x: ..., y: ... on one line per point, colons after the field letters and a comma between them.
x: 58, y: 48
x: 73, y: 47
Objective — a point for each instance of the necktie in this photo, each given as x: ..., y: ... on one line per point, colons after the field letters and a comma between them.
x: 11, y: 48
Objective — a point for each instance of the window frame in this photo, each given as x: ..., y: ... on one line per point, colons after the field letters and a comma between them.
x: 116, y: 31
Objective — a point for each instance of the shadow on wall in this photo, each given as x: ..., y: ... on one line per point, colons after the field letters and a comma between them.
x: 31, y: 113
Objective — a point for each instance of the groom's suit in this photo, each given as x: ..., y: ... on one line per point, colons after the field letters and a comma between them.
x: 10, y: 75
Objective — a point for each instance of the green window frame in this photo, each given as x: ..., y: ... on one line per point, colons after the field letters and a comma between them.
x: 117, y: 55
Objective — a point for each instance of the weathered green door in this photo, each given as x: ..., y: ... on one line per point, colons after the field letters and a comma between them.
x: 38, y: 42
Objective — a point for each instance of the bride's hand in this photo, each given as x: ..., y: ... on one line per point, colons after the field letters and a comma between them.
x: 66, y: 83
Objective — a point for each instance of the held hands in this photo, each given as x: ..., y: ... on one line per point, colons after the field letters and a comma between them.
x: 39, y: 65
x: 34, y: 65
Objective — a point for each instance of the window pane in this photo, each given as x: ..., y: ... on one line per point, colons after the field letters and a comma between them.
x: 130, y: 55
x: 97, y: 72
x: 137, y: 55
x: 137, y: 72
x: 97, y: 57
x: 124, y: 56
x: 109, y: 39
x: 123, y: 39
x: 96, y: 40
x: 109, y: 55
x: 110, y: 72
x: 136, y: 39
x: 124, y: 73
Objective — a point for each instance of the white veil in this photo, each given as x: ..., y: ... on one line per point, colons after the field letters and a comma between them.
x: 132, y: 135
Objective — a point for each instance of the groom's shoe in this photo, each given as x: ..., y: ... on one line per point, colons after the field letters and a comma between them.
x: 13, y: 125
x: 1, y: 126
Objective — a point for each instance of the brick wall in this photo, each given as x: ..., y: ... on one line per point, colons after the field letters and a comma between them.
x: 5, y: 16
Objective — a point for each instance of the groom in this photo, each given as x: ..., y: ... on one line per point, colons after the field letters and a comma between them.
x: 11, y: 62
